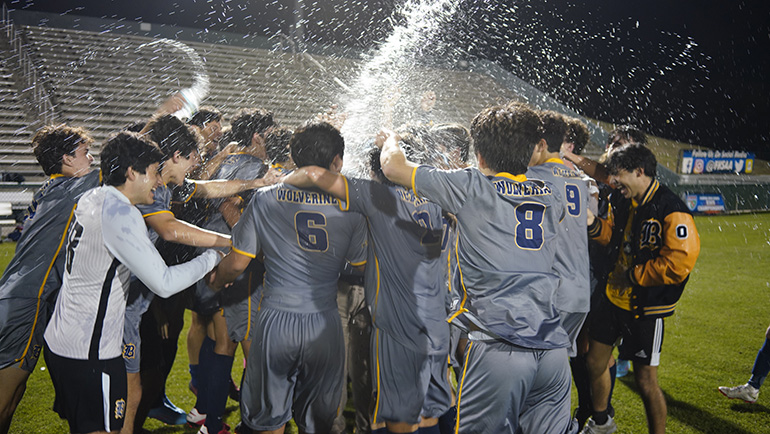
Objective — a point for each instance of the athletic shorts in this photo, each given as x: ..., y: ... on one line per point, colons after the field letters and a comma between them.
x: 408, y: 384
x: 511, y: 389
x: 21, y: 331
x: 295, y: 368
x: 139, y: 299
x: 572, y: 322
x: 91, y: 395
x: 642, y: 338
x: 239, y: 303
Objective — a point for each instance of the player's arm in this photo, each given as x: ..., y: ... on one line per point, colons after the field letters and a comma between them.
x: 394, y: 164
x: 174, y: 230
x: 681, y: 246
x: 592, y: 168
x: 231, y: 210
x: 125, y: 235
x: 223, y: 188
x: 599, y: 229
x: 314, y: 176
x: 231, y: 267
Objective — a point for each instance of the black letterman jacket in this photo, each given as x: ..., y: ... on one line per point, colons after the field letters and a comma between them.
x: 664, y: 247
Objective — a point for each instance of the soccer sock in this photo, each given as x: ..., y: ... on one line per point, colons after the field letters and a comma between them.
x: 429, y: 430
x: 194, y: 376
x: 583, y: 385
x: 601, y: 417
x: 219, y: 388
x: 447, y: 421
x: 205, y: 361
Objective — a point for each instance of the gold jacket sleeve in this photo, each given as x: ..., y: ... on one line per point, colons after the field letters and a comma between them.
x: 677, y: 256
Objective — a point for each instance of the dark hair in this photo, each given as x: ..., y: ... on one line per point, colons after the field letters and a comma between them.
x: 249, y: 121
x: 453, y: 136
x: 171, y: 135
x: 554, y: 129
x: 411, y: 152
x: 577, y: 134
x: 124, y: 150
x: 376, y: 167
x: 627, y: 133
x: 631, y: 157
x: 505, y: 136
x: 277, y: 144
x: 204, y: 115
x: 316, y: 143
x: 51, y: 143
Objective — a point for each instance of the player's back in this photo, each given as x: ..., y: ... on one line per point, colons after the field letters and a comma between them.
x: 42, y: 238
x: 571, y: 261
x: 406, y: 277
x: 306, y: 240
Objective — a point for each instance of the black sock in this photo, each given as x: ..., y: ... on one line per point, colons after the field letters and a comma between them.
x: 601, y: 417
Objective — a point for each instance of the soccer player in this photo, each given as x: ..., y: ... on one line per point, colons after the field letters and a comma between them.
x: 406, y: 293
x: 653, y: 245
x: 749, y: 392
x: 296, y: 367
x: 516, y: 375
x: 107, y: 242
x: 31, y: 282
x: 572, y: 299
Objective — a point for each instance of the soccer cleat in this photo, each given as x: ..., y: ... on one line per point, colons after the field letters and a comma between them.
x: 745, y: 392
x: 592, y: 428
x: 195, y: 419
x: 622, y: 367
x: 168, y: 413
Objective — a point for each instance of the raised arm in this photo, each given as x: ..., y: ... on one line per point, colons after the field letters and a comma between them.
x: 394, y: 164
x: 174, y: 230
x: 314, y: 176
x: 592, y: 168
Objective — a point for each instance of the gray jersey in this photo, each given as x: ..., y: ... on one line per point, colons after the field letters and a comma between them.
x: 571, y: 265
x: 235, y: 166
x: 406, y: 278
x: 507, y: 229
x: 32, y: 279
x: 306, y: 240
x: 106, y: 242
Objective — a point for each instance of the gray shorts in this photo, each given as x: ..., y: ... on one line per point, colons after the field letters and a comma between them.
x: 22, y: 324
x: 139, y: 299
x: 408, y: 384
x: 295, y: 368
x: 510, y: 389
x: 239, y: 312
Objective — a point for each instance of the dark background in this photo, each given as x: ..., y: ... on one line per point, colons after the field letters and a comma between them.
x: 694, y: 71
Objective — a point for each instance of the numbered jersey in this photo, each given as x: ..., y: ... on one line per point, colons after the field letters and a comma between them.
x: 406, y: 277
x: 306, y: 240
x: 507, y: 237
x: 571, y: 264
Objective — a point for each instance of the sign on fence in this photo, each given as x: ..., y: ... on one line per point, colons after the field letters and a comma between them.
x: 698, y: 161
x: 705, y: 203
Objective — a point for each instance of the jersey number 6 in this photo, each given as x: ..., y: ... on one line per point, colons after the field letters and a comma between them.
x: 311, y: 234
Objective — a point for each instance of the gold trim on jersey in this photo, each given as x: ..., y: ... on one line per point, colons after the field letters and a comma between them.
x: 460, y: 386
x: 461, y: 308
x: 377, y: 359
x: 347, y: 195
x: 156, y: 213
x: 42, y: 286
x: 516, y: 178
x: 241, y: 252
x: 414, y: 173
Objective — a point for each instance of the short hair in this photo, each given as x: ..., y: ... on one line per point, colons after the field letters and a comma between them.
x: 627, y: 133
x: 505, y: 136
x: 277, y: 144
x: 554, y: 129
x: 249, y: 121
x: 172, y: 135
x: 51, y: 143
x: 316, y: 143
x: 124, y: 150
x: 577, y: 134
x: 453, y: 136
x: 204, y: 115
x: 631, y: 157
x: 411, y: 152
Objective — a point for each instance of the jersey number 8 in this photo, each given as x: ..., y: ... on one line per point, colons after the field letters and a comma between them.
x: 529, y: 226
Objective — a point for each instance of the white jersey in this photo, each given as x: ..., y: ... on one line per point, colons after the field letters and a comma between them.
x: 108, y: 241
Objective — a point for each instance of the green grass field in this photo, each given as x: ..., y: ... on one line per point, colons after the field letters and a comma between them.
x: 710, y: 341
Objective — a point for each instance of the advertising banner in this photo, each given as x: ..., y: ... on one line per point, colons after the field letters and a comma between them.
x: 694, y: 161
x: 705, y: 203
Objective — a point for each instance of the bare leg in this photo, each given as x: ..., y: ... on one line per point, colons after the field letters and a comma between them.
x: 134, y: 396
x: 275, y: 431
x: 598, y: 359
x: 14, y: 383
x: 654, y: 401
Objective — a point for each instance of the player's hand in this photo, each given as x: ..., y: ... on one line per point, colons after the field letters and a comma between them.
x: 298, y: 178
x: 590, y: 217
x: 383, y: 136
x: 173, y: 104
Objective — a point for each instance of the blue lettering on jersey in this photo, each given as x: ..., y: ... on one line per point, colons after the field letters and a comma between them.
x: 507, y: 188
x: 409, y: 197
x: 304, y: 197
x: 564, y: 172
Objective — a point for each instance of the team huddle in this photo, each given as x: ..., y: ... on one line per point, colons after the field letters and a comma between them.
x: 482, y: 289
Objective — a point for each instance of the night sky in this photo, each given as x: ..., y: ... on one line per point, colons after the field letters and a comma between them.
x: 695, y: 71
